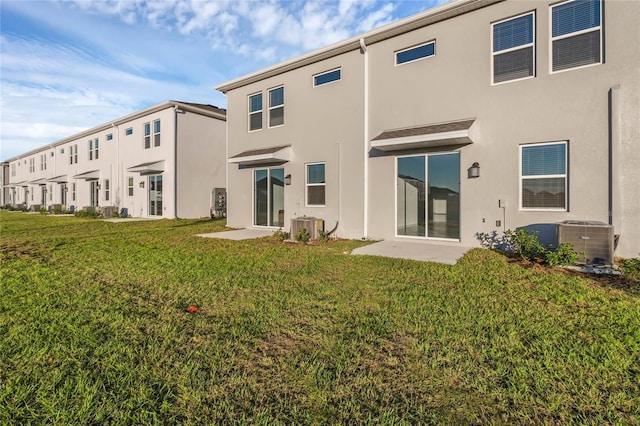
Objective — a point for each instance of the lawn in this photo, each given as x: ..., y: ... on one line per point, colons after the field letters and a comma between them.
x: 94, y: 329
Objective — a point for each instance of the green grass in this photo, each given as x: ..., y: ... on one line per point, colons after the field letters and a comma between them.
x: 94, y: 330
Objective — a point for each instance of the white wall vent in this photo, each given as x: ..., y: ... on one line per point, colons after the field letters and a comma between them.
x: 594, y: 241
x: 311, y: 224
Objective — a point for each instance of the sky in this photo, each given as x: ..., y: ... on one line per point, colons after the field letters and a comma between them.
x: 70, y: 65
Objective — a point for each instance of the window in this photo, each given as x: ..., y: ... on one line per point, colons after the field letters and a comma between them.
x: 50, y: 193
x: 576, y: 34
x: 73, y: 154
x: 276, y: 107
x: 13, y: 169
x: 61, y: 150
x: 73, y: 191
x: 316, y: 184
x: 93, y: 149
x: 513, y: 52
x: 32, y: 165
x: 130, y: 186
x: 255, y: 112
x: 147, y: 135
x: 43, y: 162
x: 106, y: 190
x: 543, y: 178
x: 327, y: 77
x: 128, y: 131
x: 415, y: 53
x: 109, y: 136
x: 156, y: 133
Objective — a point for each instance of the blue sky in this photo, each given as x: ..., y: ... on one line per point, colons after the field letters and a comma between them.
x: 66, y: 66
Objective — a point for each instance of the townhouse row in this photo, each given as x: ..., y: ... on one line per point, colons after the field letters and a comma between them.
x: 162, y: 161
x: 467, y: 119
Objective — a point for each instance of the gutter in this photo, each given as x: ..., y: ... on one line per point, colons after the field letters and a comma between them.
x: 365, y: 132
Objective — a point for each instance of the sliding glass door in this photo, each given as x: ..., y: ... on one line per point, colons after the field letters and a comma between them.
x: 428, y: 196
x: 268, y: 199
x: 155, y: 195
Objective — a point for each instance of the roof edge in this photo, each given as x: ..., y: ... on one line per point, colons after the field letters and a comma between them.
x: 436, y: 14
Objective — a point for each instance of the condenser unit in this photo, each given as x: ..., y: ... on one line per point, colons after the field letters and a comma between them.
x: 593, y: 241
x: 311, y: 224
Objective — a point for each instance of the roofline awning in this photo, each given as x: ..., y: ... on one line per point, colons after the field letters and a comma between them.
x: 58, y: 179
x: 258, y: 157
x: 42, y: 181
x: 434, y: 135
x: 148, y: 168
x: 92, y: 175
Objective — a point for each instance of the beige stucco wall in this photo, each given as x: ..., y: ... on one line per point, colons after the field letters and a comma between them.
x: 201, y: 162
x: 322, y: 124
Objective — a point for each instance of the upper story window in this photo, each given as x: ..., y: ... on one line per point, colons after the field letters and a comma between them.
x: 109, y: 136
x: 255, y: 111
x: 128, y: 131
x: 576, y: 34
x: 415, y: 53
x: 93, y: 149
x: 43, y: 162
x: 73, y: 154
x: 107, y: 190
x: 276, y: 107
x: 32, y: 165
x: 147, y: 135
x: 316, y: 184
x: 130, y: 186
x: 543, y: 176
x: 513, y: 51
x: 156, y: 133
x: 13, y: 169
x: 327, y: 77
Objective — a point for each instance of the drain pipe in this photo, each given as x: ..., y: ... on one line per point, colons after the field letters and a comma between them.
x: 364, y: 51
x: 175, y: 160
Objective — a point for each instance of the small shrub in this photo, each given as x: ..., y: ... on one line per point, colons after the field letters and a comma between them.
x: 323, y: 236
x: 302, y: 236
x: 564, y: 254
x: 526, y: 245
x: 631, y: 267
x: 115, y: 214
x: 43, y: 210
x: 83, y: 213
x: 281, y: 235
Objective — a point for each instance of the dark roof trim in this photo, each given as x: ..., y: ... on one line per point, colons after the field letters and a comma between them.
x: 440, y: 134
x: 275, y: 154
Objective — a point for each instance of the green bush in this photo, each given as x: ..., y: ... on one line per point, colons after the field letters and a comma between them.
x: 83, y: 213
x: 302, y: 236
x: 631, y: 267
x: 281, y: 235
x: 525, y: 245
x: 323, y: 236
x: 564, y: 254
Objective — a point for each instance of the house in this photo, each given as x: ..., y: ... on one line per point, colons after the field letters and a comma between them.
x: 472, y: 117
x: 161, y: 161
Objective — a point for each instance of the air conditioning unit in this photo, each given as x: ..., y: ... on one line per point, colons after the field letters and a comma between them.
x: 594, y: 241
x: 311, y: 224
x: 107, y: 211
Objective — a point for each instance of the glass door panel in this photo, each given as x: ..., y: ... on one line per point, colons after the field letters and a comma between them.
x: 276, y: 194
x: 410, y: 184
x: 444, y: 196
x: 260, y: 200
x: 155, y: 195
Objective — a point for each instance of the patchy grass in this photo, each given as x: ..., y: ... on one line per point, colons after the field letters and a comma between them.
x: 94, y: 329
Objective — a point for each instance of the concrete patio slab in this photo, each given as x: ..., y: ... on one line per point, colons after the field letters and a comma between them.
x: 239, y: 234
x: 421, y: 251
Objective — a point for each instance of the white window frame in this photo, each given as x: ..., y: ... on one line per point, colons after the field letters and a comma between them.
x: 250, y: 113
x: 43, y: 162
x: 269, y: 107
x: 156, y: 135
x: 130, y: 186
x: 313, y: 77
x: 565, y: 176
x: 128, y: 131
x: 32, y: 165
x: 307, y: 184
x: 513, y: 49
x: 107, y: 190
x: 73, y: 191
x: 93, y: 149
x: 147, y: 135
x: 576, y: 33
x: 395, y: 54
x: 109, y: 136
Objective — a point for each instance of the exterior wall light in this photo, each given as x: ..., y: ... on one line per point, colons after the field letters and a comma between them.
x: 287, y: 180
x: 473, y: 171
x: 141, y: 184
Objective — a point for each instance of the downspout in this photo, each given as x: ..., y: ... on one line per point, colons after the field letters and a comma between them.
x: 175, y: 161
x: 119, y: 195
x: 365, y: 225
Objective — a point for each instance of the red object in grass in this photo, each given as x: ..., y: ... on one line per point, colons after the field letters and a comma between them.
x: 192, y: 309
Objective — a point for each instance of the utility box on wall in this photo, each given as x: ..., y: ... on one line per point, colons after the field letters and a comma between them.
x: 218, y: 203
x: 593, y: 241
